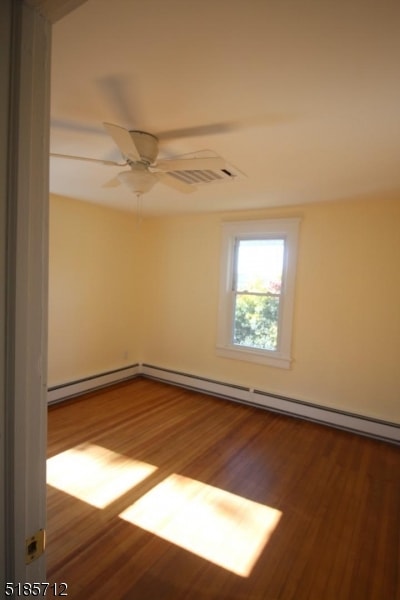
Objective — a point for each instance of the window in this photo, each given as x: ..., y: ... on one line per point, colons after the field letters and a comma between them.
x: 257, y: 290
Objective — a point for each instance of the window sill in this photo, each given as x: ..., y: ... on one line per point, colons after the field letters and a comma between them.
x: 257, y: 356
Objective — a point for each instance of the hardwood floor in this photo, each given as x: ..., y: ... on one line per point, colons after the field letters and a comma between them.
x: 141, y: 471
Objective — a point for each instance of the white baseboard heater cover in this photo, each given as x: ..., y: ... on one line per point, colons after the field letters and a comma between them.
x: 382, y: 430
x: 75, y: 388
x: 360, y: 424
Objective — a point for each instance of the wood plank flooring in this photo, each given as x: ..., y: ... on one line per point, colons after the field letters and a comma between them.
x: 337, y: 496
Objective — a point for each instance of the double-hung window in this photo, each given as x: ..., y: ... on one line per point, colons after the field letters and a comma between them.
x: 257, y: 290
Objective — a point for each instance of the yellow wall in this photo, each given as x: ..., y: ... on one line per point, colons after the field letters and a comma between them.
x: 121, y: 294
x: 93, y: 290
x: 346, y: 339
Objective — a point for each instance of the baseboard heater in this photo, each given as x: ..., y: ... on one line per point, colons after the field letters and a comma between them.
x: 68, y: 390
x: 383, y: 430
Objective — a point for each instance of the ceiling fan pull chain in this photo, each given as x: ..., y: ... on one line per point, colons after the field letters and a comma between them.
x: 139, y: 208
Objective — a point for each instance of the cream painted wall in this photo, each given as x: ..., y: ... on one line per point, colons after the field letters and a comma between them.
x: 346, y: 344
x: 93, y: 290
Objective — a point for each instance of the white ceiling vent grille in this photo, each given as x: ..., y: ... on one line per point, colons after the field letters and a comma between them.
x: 206, y: 176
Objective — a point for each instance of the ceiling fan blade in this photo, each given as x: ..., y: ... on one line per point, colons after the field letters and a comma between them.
x: 124, y: 141
x: 197, y: 131
x: 266, y: 120
x: 95, y: 160
x: 122, y: 94
x: 114, y: 182
x: 175, y: 183
x: 190, y: 164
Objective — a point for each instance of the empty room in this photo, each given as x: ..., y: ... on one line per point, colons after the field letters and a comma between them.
x: 223, y: 382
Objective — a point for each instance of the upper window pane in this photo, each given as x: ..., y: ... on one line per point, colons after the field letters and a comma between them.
x: 259, y: 265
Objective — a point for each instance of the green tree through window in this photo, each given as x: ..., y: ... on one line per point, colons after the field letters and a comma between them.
x: 256, y: 322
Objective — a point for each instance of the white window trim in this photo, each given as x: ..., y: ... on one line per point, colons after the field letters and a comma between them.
x: 288, y: 229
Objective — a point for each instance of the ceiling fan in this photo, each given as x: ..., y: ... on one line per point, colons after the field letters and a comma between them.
x: 140, y: 150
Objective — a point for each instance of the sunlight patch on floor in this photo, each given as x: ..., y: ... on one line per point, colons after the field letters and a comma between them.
x: 94, y: 474
x: 226, y: 529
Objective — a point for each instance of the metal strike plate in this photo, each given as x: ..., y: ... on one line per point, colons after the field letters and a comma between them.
x: 34, y: 546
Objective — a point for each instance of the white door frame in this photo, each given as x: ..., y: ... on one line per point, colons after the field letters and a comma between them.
x: 25, y: 48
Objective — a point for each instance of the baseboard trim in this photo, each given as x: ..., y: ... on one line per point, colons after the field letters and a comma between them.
x: 68, y: 390
x: 382, y: 430
x: 355, y: 423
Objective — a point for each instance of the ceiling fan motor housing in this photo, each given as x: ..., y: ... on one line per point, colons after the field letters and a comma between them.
x: 146, y: 144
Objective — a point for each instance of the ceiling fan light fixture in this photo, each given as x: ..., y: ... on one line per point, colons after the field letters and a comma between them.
x: 139, y: 180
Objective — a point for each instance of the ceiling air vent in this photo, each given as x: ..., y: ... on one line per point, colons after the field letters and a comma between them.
x: 206, y: 176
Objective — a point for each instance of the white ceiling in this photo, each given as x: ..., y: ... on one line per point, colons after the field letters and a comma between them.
x: 302, y: 96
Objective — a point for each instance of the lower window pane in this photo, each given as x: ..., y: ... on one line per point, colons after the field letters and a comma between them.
x: 256, y: 321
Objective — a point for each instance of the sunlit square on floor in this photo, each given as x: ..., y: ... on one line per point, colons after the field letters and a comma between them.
x: 95, y: 474
x: 226, y: 529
